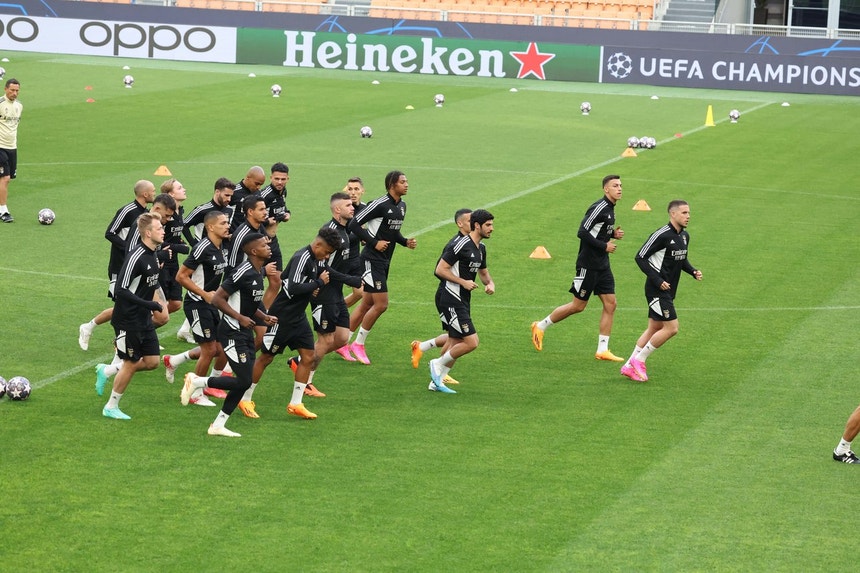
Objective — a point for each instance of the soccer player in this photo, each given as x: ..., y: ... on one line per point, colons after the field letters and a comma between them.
x: 461, y: 219
x: 239, y: 298
x: 136, y: 341
x: 305, y: 274
x: 117, y: 233
x: 275, y: 196
x: 383, y: 218
x: 249, y: 185
x: 355, y: 189
x: 842, y: 452
x: 462, y: 261
x: 201, y: 275
x: 10, y: 116
x: 661, y: 258
x: 328, y: 307
x: 221, y: 199
x: 195, y: 229
x: 593, y: 272
x: 173, y: 245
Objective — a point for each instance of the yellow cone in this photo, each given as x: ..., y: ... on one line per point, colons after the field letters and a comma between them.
x: 709, y: 118
x: 641, y: 205
x: 163, y: 170
x: 540, y: 253
x: 629, y: 153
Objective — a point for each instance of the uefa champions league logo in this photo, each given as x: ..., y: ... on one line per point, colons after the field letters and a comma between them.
x: 620, y: 65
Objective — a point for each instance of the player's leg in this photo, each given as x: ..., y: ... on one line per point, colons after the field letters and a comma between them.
x: 85, y: 331
x: 130, y: 345
x: 5, y: 215
x: 843, y: 452
x: 581, y: 289
x: 606, y: 319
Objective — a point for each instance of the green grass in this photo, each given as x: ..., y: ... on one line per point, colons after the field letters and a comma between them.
x: 544, y: 461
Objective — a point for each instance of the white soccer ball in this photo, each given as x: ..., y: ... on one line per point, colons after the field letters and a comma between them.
x: 585, y: 107
x: 734, y: 115
x: 46, y: 216
x: 276, y: 90
x: 18, y: 388
x: 128, y: 81
x: 652, y: 143
x: 439, y: 99
x: 2, y: 73
x: 366, y: 131
x: 632, y: 142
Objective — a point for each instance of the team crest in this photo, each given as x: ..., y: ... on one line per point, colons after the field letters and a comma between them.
x: 378, y: 285
x: 324, y: 324
x: 582, y: 293
x: 243, y: 357
x: 666, y: 314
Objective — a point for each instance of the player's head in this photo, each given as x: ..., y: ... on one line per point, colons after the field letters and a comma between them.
x: 144, y: 191
x: 461, y: 219
x: 164, y: 206
x: 175, y: 189
x: 256, y: 245
x: 217, y: 224
x: 255, y: 209
x: 280, y: 176
x: 223, y: 192
x: 255, y: 178
x: 150, y: 228
x: 612, y: 188
x: 12, y: 88
x: 679, y: 213
x: 355, y: 188
x: 396, y: 183
x: 326, y: 242
x: 482, y: 220
x: 342, y: 208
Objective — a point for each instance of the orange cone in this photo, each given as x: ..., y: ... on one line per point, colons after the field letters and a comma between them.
x: 540, y: 253
x: 163, y: 170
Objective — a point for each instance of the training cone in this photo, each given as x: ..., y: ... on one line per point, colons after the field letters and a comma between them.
x: 540, y: 253
x: 163, y: 170
x: 629, y: 153
x: 709, y: 117
x: 641, y: 205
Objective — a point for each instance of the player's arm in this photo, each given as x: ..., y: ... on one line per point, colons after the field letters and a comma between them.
x: 183, y: 277
x: 123, y: 291
x: 219, y: 301
x: 584, y: 234
x: 113, y: 231
x: 489, y: 285
x: 642, y: 259
x: 691, y: 270
x: 356, y: 226
x: 444, y: 271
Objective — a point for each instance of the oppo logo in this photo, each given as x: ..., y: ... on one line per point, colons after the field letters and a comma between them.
x: 19, y: 29
x: 155, y: 38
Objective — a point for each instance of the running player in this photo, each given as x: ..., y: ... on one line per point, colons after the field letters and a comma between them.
x: 136, y: 341
x: 239, y: 298
x: 462, y: 261
x: 275, y: 196
x: 383, y: 219
x: 661, y: 258
x: 593, y: 273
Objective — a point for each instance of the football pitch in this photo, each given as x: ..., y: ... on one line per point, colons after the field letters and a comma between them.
x: 543, y: 461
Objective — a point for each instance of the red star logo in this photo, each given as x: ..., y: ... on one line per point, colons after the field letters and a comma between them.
x: 532, y: 62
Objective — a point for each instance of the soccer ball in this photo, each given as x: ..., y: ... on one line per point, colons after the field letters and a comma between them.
x: 632, y: 142
x: 276, y: 90
x: 734, y: 115
x: 2, y: 386
x: 585, y: 107
x: 46, y: 216
x: 652, y: 143
x: 366, y: 132
x: 439, y: 99
x: 18, y: 388
x: 619, y: 65
x: 128, y: 81
x: 2, y: 73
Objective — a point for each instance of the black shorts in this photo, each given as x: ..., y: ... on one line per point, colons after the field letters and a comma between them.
x: 135, y: 344
x: 661, y: 307
x: 204, y: 320
x: 239, y: 348
x: 327, y: 317
x: 455, y: 317
x: 374, y: 276
x: 296, y: 334
x: 588, y: 281
x: 8, y: 163
x: 167, y: 280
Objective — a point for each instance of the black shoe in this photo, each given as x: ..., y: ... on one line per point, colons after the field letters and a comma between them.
x: 7, y: 218
x: 846, y: 458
